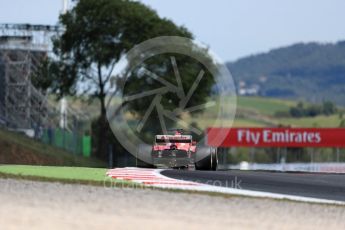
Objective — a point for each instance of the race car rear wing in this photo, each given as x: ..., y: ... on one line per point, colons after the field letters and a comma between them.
x: 174, y: 138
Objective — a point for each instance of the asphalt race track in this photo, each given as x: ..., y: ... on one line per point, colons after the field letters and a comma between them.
x: 323, y: 186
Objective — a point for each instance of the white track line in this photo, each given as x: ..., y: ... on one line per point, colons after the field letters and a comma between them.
x: 154, y: 178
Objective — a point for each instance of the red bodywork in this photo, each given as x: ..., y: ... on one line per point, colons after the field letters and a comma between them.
x: 177, y: 141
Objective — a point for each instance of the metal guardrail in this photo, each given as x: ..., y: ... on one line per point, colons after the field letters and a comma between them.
x: 326, y: 167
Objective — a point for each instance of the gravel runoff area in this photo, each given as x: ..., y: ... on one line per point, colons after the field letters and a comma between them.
x: 41, y: 205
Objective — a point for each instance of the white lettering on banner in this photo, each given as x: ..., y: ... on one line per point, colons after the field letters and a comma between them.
x: 256, y: 138
x: 267, y: 136
x: 248, y: 136
x: 270, y: 136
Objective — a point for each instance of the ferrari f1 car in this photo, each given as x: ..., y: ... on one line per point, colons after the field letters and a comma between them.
x: 178, y: 150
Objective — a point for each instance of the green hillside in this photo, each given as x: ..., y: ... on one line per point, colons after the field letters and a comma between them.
x: 262, y: 105
x: 313, y: 72
x: 259, y: 111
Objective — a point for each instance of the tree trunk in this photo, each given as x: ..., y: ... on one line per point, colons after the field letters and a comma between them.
x: 103, y: 126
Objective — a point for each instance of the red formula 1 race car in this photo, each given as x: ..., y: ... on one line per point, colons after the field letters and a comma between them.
x: 178, y: 150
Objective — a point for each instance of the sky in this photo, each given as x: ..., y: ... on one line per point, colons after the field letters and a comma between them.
x: 232, y: 28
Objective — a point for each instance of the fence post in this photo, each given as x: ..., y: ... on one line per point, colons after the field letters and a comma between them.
x: 278, y: 156
x: 312, y: 155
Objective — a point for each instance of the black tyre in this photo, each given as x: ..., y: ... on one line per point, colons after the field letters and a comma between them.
x: 144, y: 157
x: 206, y: 159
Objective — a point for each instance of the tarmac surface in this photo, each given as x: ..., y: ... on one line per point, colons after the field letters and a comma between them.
x: 324, y: 186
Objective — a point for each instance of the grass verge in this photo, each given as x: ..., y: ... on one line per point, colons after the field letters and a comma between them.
x: 70, y: 175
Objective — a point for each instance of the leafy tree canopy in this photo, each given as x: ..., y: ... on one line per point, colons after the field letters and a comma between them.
x: 97, y: 33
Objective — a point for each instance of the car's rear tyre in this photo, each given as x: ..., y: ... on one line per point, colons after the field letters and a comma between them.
x: 206, y: 159
x: 144, y: 157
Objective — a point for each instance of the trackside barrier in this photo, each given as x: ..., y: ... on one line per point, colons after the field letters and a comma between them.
x: 292, y: 167
x: 223, y: 138
x: 72, y: 142
x: 276, y: 137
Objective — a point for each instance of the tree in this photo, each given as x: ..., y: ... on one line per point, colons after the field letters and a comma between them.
x: 296, y: 112
x: 313, y: 110
x: 97, y: 35
x: 161, y: 66
x: 328, y: 108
